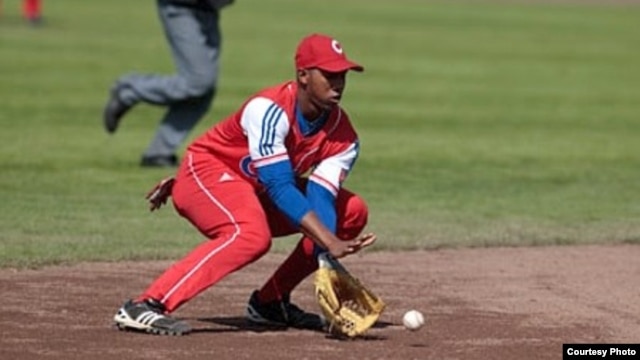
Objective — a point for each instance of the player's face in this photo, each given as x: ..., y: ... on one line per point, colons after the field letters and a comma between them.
x: 325, y: 88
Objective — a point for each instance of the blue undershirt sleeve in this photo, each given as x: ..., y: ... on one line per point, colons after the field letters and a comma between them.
x: 323, y: 203
x: 279, y: 181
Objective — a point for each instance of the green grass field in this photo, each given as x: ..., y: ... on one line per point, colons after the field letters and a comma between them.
x: 512, y: 123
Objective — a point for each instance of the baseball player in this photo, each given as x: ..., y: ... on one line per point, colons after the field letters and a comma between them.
x: 32, y: 11
x: 273, y: 168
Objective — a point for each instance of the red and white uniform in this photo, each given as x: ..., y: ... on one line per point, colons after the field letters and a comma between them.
x: 218, y: 191
x: 236, y: 140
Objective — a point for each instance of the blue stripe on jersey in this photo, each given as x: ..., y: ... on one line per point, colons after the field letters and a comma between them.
x: 269, y: 129
x: 357, y: 150
x: 273, y: 128
x: 265, y: 119
x: 265, y: 127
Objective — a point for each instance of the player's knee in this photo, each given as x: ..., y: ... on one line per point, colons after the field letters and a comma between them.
x: 200, y: 86
x: 258, y: 241
x: 358, y: 212
x: 355, y: 218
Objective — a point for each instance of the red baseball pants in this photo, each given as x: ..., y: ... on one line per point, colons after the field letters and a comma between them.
x: 239, y: 225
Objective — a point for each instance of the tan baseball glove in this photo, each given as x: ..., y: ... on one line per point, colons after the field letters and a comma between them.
x: 348, y: 306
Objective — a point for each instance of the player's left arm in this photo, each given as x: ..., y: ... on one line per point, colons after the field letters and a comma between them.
x: 325, y: 182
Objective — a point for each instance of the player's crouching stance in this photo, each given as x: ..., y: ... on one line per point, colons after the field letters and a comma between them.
x: 241, y: 184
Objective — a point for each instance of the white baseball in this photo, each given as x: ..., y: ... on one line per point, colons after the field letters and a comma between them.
x: 413, y: 320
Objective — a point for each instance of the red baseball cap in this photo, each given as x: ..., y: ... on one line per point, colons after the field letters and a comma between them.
x: 325, y: 53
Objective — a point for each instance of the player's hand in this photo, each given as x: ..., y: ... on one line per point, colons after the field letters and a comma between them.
x: 365, y: 240
x: 341, y: 248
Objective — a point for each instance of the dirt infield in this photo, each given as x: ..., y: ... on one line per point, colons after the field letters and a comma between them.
x: 505, y: 303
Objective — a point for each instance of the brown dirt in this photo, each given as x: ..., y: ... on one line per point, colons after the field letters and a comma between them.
x: 501, y: 303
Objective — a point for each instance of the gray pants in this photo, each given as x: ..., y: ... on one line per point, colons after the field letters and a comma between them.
x: 193, y: 35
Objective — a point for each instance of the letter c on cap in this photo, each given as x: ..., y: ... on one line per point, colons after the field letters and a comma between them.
x: 336, y: 46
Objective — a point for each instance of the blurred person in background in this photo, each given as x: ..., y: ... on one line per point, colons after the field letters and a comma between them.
x: 192, y: 31
x: 32, y: 11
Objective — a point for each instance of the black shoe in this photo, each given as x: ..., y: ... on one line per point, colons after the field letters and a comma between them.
x: 159, y: 161
x: 114, y: 110
x: 282, y: 313
x: 148, y: 316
